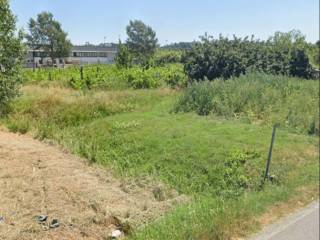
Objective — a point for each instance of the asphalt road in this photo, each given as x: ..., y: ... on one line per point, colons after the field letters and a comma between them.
x: 301, y: 225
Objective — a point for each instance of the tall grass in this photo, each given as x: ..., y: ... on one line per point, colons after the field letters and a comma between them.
x: 258, y: 98
x: 48, y: 110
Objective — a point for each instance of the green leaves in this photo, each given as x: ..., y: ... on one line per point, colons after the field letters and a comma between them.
x: 142, y: 41
x: 260, y: 98
x: 212, y: 59
x: 123, y: 58
x: 11, y: 53
x: 46, y: 33
x: 284, y: 53
x: 110, y: 77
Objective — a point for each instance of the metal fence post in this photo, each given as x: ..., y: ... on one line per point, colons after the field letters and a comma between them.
x: 266, y: 176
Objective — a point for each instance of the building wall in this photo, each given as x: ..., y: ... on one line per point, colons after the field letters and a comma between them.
x: 93, y: 60
x: 75, y: 58
x: 37, y: 61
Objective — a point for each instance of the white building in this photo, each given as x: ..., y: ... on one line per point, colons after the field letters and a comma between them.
x: 86, y: 54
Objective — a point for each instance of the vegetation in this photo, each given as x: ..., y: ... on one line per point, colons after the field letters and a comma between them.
x: 178, y: 46
x: 163, y: 57
x: 46, y: 34
x: 314, y: 54
x: 141, y: 42
x: 217, y: 161
x: 125, y: 117
x: 283, y: 53
x: 109, y: 77
x: 11, y: 52
x: 123, y: 58
x: 292, y: 102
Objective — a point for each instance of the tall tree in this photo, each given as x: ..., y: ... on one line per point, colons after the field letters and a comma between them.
x: 142, y: 41
x: 11, y: 55
x: 46, y: 34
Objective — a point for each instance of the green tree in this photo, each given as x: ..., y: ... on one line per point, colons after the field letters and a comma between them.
x: 164, y: 56
x: 214, y: 58
x: 46, y: 34
x: 11, y: 55
x: 283, y: 53
x: 141, y: 42
x: 123, y: 58
x: 299, y: 64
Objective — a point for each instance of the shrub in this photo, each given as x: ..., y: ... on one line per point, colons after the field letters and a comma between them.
x: 110, y: 77
x: 260, y: 98
x: 139, y: 78
x: 10, y: 58
x: 163, y: 57
x: 210, y: 59
x: 123, y: 58
x: 283, y: 53
x: 299, y: 64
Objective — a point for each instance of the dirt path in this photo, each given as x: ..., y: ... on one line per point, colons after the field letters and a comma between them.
x: 37, y: 178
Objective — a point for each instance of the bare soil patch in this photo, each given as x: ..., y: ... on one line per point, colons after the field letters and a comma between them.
x: 40, y: 179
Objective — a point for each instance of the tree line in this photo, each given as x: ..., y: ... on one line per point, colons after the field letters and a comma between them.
x: 283, y: 53
x: 208, y: 58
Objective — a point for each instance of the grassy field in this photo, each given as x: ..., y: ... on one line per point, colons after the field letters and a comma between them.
x: 217, y: 159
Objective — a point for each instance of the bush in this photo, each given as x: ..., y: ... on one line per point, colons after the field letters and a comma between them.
x: 283, y: 53
x: 10, y: 58
x: 123, y: 58
x: 210, y: 59
x: 299, y: 64
x: 163, y: 57
x: 110, y: 77
x: 260, y: 98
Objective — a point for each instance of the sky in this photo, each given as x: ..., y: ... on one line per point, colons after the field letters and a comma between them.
x: 98, y: 21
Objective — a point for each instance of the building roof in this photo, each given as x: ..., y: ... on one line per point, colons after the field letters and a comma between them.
x: 93, y: 48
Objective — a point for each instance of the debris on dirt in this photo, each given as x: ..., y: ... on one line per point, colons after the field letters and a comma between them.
x: 54, y: 223
x: 158, y: 194
x: 41, y: 218
x: 116, y: 234
x: 1, y: 219
x: 112, y: 220
x: 126, y: 228
x: 92, y: 201
x: 45, y: 227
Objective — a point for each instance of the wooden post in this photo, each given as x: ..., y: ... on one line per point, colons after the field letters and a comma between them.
x: 81, y: 72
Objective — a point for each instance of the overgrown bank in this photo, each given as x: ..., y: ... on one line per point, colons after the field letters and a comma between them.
x: 257, y: 98
x: 217, y: 159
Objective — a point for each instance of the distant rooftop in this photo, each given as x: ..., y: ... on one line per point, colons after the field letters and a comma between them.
x: 94, y: 48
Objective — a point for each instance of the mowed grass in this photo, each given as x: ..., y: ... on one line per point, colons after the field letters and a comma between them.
x: 218, y: 162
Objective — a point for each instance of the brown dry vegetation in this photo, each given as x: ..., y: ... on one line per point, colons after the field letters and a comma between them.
x: 37, y: 178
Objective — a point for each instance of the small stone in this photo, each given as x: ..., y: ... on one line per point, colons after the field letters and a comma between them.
x: 116, y: 234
